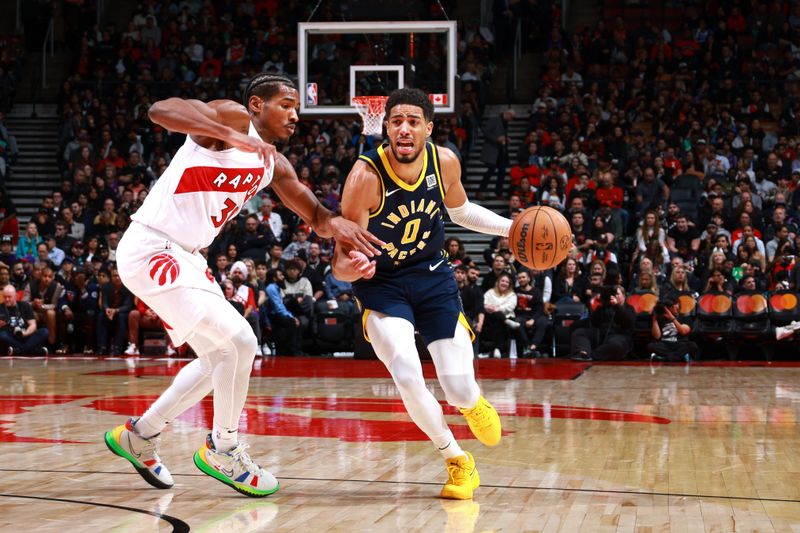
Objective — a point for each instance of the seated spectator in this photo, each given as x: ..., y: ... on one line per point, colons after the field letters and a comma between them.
x: 471, y: 299
x: 18, y: 328
x: 287, y: 333
x: 300, y: 242
x: 116, y: 302
x: 499, y: 303
x: 671, y: 334
x: 220, y: 268
x: 608, y: 335
x: 232, y: 296
x: 717, y: 283
x: 456, y: 254
x: 499, y: 266
x: 298, y: 294
x: 75, y: 229
x: 678, y: 282
x: 7, y: 255
x: 26, y: 247
x: 569, y: 284
x: 780, y: 235
x: 529, y: 313
x: 275, y: 258
x: 238, y: 277
x: 651, y: 192
x: 340, y: 292
x: 554, y: 196
x: 78, y: 315
x: 55, y: 255
x: 647, y: 283
x: 272, y: 219
x: 143, y: 318
x: 44, y: 294
x: 683, y: 240
x: 649, y: 229
x: 256, y: 238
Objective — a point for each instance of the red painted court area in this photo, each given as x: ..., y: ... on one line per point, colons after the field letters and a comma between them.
x: 314, y: 367
x: 281, y: 416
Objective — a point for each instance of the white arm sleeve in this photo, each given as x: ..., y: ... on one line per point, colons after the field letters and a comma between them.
x: 478, y: 218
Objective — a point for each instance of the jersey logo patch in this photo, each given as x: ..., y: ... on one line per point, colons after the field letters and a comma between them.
x: 164, y: 269
x: 430, y: 181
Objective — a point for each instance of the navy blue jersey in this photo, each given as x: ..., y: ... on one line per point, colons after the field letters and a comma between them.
x: 409, y: 218
x: 413, y: 279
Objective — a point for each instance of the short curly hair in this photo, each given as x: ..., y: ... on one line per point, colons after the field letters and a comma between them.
x: 265, y: 86
x: 413, y: 97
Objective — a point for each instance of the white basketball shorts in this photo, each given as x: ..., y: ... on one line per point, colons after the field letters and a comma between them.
x: 167, y: 278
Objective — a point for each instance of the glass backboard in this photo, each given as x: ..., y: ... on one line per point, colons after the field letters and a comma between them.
x: 340, y: 60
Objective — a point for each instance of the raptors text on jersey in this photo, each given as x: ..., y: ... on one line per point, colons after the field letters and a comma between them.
x: 201, y: 190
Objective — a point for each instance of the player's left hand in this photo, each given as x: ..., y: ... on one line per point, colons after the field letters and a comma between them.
x: 354, y: 236
x: 361, y: 264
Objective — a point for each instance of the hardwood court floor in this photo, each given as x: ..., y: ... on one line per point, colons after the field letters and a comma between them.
x: 586, y: 448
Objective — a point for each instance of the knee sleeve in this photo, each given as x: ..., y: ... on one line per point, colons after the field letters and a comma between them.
x: 454, y: 366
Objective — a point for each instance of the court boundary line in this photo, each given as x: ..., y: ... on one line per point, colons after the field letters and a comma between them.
x: 428, y: 483
x: 178, y: 525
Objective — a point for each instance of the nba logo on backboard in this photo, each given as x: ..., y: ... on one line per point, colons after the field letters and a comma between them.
x: 311, y: 94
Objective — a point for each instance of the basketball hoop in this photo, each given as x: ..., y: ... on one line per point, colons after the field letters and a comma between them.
x: 372, y: 109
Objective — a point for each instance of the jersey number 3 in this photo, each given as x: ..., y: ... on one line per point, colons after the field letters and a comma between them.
x: 228, y: 210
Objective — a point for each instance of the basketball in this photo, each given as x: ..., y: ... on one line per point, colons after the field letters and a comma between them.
x: 540, y: 238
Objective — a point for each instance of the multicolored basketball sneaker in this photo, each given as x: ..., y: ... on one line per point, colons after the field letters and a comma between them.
x: 235, y: 469
x: 142, y: 454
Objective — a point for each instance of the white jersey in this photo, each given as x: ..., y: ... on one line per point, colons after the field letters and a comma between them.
x: 201, y: 190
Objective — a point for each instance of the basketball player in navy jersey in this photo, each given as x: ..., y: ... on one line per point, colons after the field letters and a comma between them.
x: 397, y: 192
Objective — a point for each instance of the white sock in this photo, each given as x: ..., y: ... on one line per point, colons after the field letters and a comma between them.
x: 451, y: 449
x: 150, y: 426
x: 224, y: 440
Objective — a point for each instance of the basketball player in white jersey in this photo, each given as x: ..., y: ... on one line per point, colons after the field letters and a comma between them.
x: 398, y: 192
x: 224, y: 162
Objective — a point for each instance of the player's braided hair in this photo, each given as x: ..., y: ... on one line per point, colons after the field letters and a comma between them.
x: 413, y: 97
x: 265, y: 86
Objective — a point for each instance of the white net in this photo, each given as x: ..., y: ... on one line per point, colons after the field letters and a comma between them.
x: 371, y: 109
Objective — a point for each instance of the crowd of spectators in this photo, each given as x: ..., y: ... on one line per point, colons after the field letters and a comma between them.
x: 672, y: 152
x: 270, y: 265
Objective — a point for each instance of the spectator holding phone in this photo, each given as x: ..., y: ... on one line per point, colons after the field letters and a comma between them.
x: 609, y: 335
x: 670, y: 334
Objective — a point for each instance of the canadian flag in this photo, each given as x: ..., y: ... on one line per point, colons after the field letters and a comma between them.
x: 439, y: 99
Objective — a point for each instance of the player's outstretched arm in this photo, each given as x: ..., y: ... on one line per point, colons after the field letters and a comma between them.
x: 361, y: 195
x: 218, y: 121
x: 302, y: 201
x: 461, y: 210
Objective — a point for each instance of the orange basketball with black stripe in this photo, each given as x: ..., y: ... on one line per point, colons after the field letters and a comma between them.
x: 540, y: 237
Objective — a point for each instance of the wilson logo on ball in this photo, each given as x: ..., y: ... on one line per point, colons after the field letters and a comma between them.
x: 164, y: 269
x: 523, y: 235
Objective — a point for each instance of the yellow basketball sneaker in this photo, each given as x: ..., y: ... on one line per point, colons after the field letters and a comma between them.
x: 462, y: 478
x: 484, y: 422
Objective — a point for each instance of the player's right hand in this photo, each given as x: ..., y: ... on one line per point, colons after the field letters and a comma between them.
x: 361, y: 264
x: 267, y: 152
